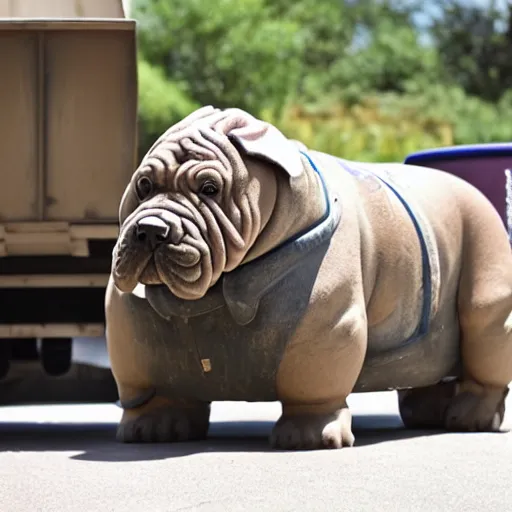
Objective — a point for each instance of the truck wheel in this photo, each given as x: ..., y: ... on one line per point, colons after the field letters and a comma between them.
x: 24, y: 349
x: 56, y: 355
x: 5, y: 357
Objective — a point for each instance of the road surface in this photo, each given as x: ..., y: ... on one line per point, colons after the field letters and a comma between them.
x: 64, y: 459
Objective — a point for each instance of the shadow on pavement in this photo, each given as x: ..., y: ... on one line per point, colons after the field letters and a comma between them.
x: 97, y: 442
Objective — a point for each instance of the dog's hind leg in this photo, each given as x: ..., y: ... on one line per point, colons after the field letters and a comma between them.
x: 477, y: 401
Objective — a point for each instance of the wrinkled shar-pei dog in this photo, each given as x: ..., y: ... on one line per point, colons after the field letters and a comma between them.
x: 250, y: 268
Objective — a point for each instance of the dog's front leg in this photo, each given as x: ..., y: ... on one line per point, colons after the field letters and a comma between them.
x: 315, y: 377
x: 147, y: 417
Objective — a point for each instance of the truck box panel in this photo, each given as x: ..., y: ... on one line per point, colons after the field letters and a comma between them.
x: 18, y: 126
x: 90, y: 123
x: 69, y: 115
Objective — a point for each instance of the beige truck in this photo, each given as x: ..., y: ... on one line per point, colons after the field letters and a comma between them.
x: 68, y: 103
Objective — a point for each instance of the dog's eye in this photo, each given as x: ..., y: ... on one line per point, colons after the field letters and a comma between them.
x: 209, y: 188
x: 144, y: 187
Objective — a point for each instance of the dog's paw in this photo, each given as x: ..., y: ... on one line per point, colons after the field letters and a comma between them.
x: 454, y: 406
x: 313, y: 431
x: 164, y: 424
x: 476, y: 408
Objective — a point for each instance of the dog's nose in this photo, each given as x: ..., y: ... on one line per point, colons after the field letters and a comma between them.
x: 152, y: 230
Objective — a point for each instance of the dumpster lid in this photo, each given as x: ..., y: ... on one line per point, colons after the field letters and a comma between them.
x: 461, y: 151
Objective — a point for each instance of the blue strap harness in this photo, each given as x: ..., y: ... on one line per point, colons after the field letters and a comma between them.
x: 424, y: 323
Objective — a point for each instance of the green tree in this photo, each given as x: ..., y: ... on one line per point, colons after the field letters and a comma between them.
x: 474, y: 43
x: 354, y: 47
x: 161, y: 103
x: 225, y: 53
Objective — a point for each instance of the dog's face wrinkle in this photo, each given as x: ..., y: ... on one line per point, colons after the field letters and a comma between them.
x: 230, y: 231
x: 174, y: 162
x: 229, y: 157
x: 195, y: 151
x: 215, y: 238
x: 211, y: 140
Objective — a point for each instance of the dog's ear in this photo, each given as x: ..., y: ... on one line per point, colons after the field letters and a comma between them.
x: 265, y: 141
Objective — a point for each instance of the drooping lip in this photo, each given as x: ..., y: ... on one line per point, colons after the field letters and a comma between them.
x: 184, y: 269
x: 126, y: 271
x: 183, y: 255
x: 149, y: 275
x: 183, y: 260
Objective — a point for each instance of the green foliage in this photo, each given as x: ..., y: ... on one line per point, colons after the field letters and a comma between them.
x: 207, y: 44
x: 373, y: 130
x: 391, y: 59
x: 161, y: 103
x: 474, y: 41
x: 357, y: 78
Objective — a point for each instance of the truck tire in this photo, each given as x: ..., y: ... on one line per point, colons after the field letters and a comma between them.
x: 56, y: 355
x: 5, y: 357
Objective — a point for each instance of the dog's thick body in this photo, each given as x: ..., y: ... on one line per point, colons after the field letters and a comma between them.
x: 407, y: 282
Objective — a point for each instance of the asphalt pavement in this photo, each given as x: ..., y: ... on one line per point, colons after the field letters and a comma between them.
x: 65, y: 458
